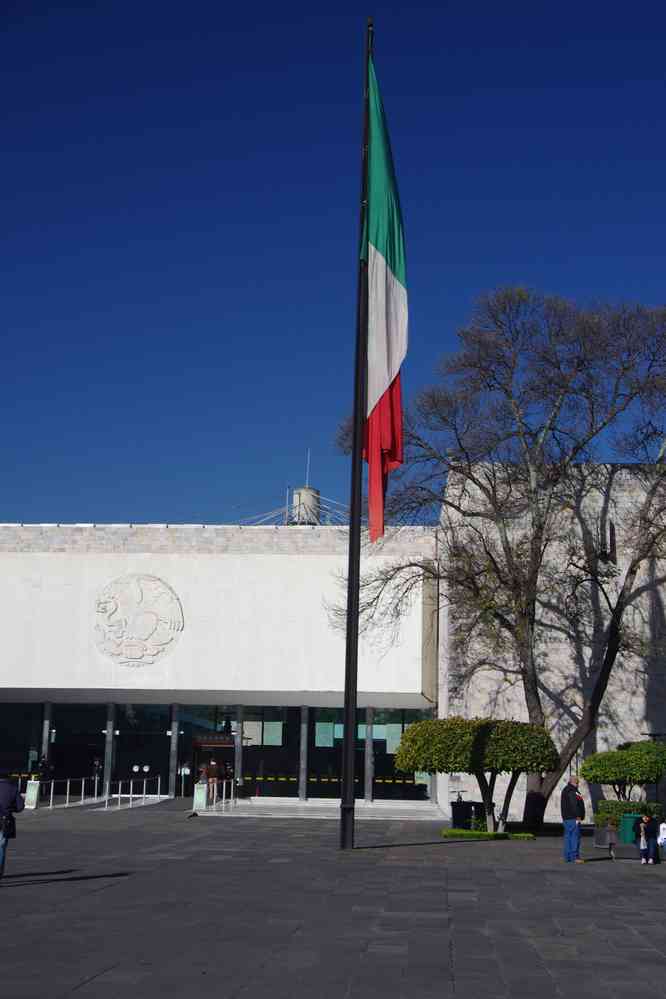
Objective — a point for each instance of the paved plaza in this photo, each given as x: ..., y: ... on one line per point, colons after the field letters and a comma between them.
x: 151, y: 903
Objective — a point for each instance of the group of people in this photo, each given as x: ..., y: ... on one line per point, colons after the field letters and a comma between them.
x: 648, y: 834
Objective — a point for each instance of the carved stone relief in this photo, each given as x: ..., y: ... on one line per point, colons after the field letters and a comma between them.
x: 138, y: 620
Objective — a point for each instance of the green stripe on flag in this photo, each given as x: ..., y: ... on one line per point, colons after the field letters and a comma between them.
x: 383, y: 225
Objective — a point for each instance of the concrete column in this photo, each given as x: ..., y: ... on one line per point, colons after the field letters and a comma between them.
x: 369, y: 753
x: 109, y: 743
x: 303, y: 754
x: 238, y: 745
x: 46, y: 730
x: 173, y: 749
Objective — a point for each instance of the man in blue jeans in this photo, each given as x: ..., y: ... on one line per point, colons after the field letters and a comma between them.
x: 573, y: 813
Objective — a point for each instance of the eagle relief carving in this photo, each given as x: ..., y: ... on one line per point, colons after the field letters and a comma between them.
x: 138, y: 620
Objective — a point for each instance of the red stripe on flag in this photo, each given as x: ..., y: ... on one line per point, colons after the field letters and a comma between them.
x: 382, y: 449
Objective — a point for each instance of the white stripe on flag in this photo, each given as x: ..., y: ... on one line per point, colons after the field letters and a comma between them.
x: 387, y: 326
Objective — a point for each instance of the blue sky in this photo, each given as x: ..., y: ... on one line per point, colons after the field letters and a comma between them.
x: 180, y: 217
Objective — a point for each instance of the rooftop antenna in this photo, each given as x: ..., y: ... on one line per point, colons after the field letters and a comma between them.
x: 307, y: 469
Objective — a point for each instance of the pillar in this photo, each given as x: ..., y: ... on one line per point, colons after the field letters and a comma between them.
x: 303, y: 754
x: 369, y: 754
x: 173, y: 749
x: 238, y: 745
x: 109, y: 743
x: 46, y: 729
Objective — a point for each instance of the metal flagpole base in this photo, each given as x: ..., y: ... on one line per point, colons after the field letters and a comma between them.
x: 346, y: 827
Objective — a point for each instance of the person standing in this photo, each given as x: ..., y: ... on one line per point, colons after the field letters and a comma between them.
x: 573, y: 813
x: 646, y: 832
x: 10, y: 802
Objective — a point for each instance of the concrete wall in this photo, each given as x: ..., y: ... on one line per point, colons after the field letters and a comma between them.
x: 227, y: 614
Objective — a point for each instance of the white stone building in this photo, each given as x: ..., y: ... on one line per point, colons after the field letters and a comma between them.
x: 173, y: 646
x: 168, y: 646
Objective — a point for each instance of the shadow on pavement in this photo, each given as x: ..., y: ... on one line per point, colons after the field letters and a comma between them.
x: 39, y: 874
x: 428, y: 842
x: 60, y: 881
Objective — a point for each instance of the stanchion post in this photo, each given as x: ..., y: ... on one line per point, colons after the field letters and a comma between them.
x: 144, y: 790
x: 51, y: 795
x: 67, y: 794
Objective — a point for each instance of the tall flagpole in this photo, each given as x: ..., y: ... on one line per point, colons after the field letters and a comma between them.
x: 354, y: 567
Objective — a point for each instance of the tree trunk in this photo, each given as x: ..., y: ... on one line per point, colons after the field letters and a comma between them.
x: 487, y: 787
x: 504, y: 814
x: 540, y: 788
x: 535, y: 803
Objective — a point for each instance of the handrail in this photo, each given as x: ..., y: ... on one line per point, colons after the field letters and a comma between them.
x: 131, y: 795
x: 74, y: 791
x: 228, y: 796
x: 66, y: 792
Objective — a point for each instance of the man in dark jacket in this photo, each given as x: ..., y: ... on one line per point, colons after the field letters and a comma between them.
x: 10, y: 802
x: 573, y: 813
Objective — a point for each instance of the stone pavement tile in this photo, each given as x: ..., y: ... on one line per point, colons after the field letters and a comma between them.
x: 325, y: 924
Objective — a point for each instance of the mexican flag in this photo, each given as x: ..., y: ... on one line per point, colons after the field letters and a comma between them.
x: 383, y: 249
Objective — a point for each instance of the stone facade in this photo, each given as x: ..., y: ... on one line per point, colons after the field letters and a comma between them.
x: 634, y: 706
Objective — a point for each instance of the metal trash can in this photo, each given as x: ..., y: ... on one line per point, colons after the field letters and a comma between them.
x: 461, y: 814
x: 626, y: 833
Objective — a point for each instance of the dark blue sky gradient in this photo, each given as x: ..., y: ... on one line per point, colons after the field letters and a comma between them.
x: 180, y: 219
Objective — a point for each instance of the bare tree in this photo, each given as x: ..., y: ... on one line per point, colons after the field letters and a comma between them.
x: 538, y: 455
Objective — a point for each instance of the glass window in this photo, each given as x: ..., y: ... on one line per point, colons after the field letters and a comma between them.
x: 252, y: 733
x: 324, y: 734
x: 20, y: 736
x: 272, y: 733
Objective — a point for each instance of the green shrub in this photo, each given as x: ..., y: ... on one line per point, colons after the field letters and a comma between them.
x: 484, y: 747
x: 480, y: 834
x: 635, y: 764
x: 614, y: 810
x: 473, y: 745
x: 472, y: 834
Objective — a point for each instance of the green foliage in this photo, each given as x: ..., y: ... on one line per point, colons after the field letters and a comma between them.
x: 472, y: 834
x: 473, y: 745
x: 605, y: 768
x: 634, y: 765
x: 480, y: 834
x: 612, y: 811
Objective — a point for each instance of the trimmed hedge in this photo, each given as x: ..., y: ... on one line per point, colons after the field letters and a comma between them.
x: 472, y: 834
x: 477, y: 834
x: 634, y: 765
x: 471, y: 745
x: 616, y: 809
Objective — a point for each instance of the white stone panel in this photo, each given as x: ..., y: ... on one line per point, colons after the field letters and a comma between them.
x: 251, y: 622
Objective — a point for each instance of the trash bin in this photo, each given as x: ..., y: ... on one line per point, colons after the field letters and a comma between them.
x: 626, y: 834
x: 480, y: 812
x: 461, y: 814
